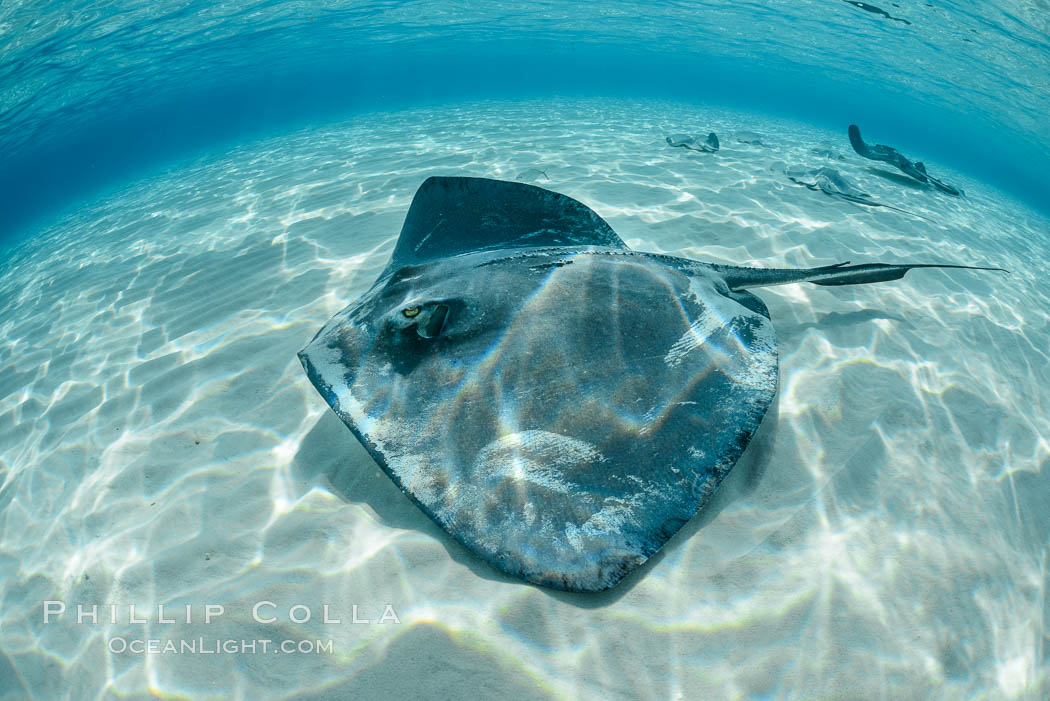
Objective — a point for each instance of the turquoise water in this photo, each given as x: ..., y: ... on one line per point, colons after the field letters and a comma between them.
x: 189, y: 192
x: 94, y: 93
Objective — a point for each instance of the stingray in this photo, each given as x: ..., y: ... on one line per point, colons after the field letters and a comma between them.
x: 708, y: 145
x: 828, y: 153
x: 888, y: 154
x: 559, y: 403
x: 876, y: 10
x: 835, y: 184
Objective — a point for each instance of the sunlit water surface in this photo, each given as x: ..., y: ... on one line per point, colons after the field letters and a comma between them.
x: 884, y: 536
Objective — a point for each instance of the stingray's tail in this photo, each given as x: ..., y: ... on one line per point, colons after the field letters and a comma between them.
x: 944, y: 187
x: 873, y: 203
x: 838, y: 274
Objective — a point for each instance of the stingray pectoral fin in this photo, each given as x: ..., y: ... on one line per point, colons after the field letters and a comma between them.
x: 858, y: 143
x: 838, y: 274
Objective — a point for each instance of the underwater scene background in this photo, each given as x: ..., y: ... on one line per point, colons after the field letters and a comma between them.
x: 189, y: 191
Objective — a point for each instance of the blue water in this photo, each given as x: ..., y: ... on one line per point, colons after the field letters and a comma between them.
x: 92, y: 94
x: 188, y: 192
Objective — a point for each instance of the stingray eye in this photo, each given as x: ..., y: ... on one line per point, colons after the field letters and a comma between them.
x: 410, y: 312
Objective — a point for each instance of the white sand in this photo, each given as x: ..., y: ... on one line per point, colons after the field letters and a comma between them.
x: 885, y: 535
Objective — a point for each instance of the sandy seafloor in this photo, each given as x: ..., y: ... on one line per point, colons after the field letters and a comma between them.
x: 885, y: 535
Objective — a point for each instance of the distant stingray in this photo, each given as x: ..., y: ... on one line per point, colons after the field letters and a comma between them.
x: 833, y: 183
x: 890, y: 155
x: 709, y: 145
x: 749, y: 137
x: 828, y: 153
x: 559, y: 403
x: 875, y: 10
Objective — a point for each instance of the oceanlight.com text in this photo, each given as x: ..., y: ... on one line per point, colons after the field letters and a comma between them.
x: 213, y: 646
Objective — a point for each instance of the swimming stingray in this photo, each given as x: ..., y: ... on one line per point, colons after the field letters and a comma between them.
x: 558, y: 403
x: 708, y: 145
x: 835, y: 184
x: 890, y: 155
x: 876, y: 10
